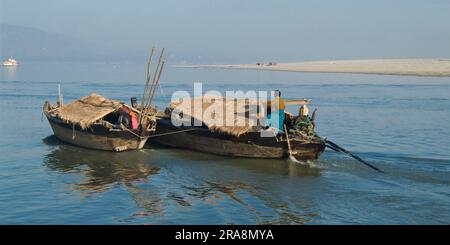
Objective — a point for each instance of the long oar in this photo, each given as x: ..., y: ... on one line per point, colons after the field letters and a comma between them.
x: 337, y: 148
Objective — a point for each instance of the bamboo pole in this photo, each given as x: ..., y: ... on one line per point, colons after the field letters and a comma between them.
x: 152, y: 87
x: 146, y: 82
x: 156, y: 83
x: 148, y: 76
x: 153, y: 93
x: 60, y: 98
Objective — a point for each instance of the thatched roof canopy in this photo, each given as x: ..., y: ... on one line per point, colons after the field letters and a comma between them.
x: 234, y: 112
x: 87, y: 110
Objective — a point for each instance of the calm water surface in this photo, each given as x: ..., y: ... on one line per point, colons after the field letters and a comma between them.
x: 400, y: 124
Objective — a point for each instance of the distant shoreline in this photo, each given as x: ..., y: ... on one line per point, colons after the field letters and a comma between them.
x: 403, y: 67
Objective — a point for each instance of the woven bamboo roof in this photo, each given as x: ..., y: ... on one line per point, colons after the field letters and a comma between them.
x: 88, y: 110
x: 235, y: 114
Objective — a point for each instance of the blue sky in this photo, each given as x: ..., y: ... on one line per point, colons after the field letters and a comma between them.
x: 248, y: 30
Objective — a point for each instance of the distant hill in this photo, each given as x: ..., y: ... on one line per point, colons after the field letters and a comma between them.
x: 27, y: 43
x: 32, y: 44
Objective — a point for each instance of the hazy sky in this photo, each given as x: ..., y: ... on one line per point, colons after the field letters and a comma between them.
x: 248, y: 30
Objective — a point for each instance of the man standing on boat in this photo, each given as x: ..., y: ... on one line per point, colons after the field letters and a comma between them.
x: 279, y: 105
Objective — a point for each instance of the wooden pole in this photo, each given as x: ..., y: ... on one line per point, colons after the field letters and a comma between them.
x: 148, y: 76
x: 146, y: 83
x: 288, y: 141
x: 152, y: 87
x: 60, y: 100
x: 156, y: 83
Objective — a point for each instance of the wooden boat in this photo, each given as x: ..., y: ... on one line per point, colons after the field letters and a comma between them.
x: 237, y: 141
x: 92, y: 122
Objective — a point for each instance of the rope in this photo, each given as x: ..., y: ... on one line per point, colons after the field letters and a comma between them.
x: 181, y: 131
x: 156, y: 135
x: 133, y: 133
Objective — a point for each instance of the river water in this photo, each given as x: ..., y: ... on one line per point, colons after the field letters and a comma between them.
x: 400, y: 124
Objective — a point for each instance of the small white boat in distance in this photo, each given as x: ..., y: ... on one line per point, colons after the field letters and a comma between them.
x: 10, y: 62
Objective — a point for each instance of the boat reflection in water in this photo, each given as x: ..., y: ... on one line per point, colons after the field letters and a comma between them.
x: 182, y: 187
x: 271, y: 167
x: 102, y: 171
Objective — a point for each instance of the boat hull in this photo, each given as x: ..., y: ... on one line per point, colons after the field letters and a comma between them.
x: 250, y: 145
x: 97, y: 137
